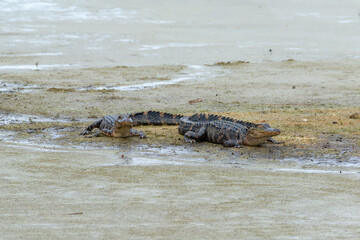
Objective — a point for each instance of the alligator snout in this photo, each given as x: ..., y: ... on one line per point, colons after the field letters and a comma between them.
x: 277, y: 130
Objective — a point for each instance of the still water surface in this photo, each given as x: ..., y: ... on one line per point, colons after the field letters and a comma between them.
x: 89, y: 33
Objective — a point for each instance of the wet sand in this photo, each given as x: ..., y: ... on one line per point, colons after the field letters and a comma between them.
x: 222, y: 87
x: 58, y: 184
x: 285, y: 64
x: 80, y: 195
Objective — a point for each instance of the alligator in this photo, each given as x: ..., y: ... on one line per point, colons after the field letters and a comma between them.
x: 226, y: 131
x: 154, y: 118
x: 122, y: 125
x: 113, y: 126
x: 198, y: 127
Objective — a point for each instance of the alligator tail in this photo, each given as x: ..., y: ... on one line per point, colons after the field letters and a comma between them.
x: 155, y: 118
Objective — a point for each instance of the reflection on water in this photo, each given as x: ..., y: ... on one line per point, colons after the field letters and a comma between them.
x: 35, y: 67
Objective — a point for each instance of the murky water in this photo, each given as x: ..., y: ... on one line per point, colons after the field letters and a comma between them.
x: 61, y: 34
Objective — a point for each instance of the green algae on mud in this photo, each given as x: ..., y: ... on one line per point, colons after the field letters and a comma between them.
x: 314, y: 137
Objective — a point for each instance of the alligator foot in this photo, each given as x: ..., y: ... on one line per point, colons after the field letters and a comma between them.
x: 239, y: 146
x: 189, y: 140
x: 85, y: 132
x: 95, y: 135
x: 271, y: 140
x: 232, y: 143
x: 134, y: 132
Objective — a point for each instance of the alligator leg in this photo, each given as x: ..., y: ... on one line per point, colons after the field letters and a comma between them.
x: 232, y: 143
x: 99, y: 133
x: 134, y: 132
x: 191, y: 137
x: 271, y: 140
x: 88, y: 130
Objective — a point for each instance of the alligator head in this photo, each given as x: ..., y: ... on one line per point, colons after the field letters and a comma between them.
x: 259, y: 134
x: 124, y: 119
x: 123, y: 126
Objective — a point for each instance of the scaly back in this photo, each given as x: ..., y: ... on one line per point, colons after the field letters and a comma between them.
x: 155, y: 118
x: 212, y: 117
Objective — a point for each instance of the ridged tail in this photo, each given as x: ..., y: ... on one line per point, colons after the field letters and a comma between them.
x: 155, y: 118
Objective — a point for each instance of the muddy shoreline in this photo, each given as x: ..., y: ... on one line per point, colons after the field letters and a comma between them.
x: 313, y: 117
x: 56, y: 183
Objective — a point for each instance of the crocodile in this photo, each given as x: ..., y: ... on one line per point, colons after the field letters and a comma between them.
x: 226, y: 131
x: 122, y: 125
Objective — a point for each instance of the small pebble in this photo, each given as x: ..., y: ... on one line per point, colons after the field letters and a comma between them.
x: 195, y: 101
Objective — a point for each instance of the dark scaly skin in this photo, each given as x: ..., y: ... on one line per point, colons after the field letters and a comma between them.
x: 198, y: 127
x: 114, y: 126
x: 121, y: 125
x: 226, y: 131
x: 212, y: 117
x: 154, y: 118
x: 196, y: 121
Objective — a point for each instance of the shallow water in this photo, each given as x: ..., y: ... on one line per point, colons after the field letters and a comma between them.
x: 192, y: 74
x: 16, y: 87
x: 62, y: 34
x: 10, y: 118
x: 6, y: 68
